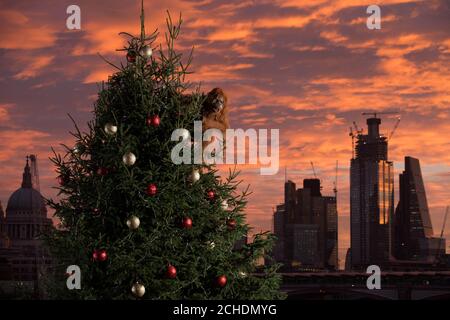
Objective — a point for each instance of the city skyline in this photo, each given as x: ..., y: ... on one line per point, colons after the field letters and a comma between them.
x: 308, y: 69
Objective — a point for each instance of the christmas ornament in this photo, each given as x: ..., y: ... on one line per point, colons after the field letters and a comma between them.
x: 151, y: 189
x: 187, y: 223
x: 61, y: 180
x: 221, y: 281
x: 102, y: 255
x: 129, y: 158
x: 138, y: 290
x: 171, y: 272
x: 153, y: 121
x: 195, y: 175
x: 231, y: 224
x: 133, y: 222
x: 211, y: 194
x: 131, y: 57
x: 110, y: 129
x: 95, y: 255
x: 224, y: 204
x: 156, y: 120
x: 102, y: 171
x: 146, y: 52
x: 242, y: 274
x: 211, y: 245
x: 96, y: 211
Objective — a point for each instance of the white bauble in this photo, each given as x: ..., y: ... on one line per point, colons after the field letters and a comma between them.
x: 110, y: 129
x: 138, y: 290
x: 195, y: 175
x: 224, y: 204
x: 211, y: 245
x: 129, y: 158
x: 146, y: 51
x: 133, y: 222
x: 242, y: 274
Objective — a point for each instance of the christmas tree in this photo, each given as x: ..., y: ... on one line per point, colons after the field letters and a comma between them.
x: 138, y: 225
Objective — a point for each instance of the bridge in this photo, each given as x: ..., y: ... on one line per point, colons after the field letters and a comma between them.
x: 395, y: 285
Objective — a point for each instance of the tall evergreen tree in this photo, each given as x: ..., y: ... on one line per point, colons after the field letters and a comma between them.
x: 138, y: 225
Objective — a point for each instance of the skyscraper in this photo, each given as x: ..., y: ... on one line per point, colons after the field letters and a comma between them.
x: 413, y: 230
x: 279, y: 217
x: 306, y: 228
x: 371, y: 199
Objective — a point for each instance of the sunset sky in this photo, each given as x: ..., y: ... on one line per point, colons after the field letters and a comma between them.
x: 308, y: 68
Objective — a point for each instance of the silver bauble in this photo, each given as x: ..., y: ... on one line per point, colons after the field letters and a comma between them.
x: 195, y: 175
x: 138, y: 290
x: 211, y: 245
x: 110, y: 129
x: 133, y: 222
x: 146, y: 51
x: 224, y: 204
x: 129, y: 158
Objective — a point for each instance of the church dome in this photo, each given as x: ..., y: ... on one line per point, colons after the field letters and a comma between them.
x: 26, y: 200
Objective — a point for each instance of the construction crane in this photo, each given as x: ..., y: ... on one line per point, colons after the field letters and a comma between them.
x: 358, y: 131
x: 442, y: 235
x: 395, y: 128
x: 314, y: 170
x: 335, y: 181
x: 34, y: 172
x: 351, y: 134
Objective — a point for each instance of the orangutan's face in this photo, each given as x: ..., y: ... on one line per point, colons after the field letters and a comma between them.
x: 215, y: 102
x: 218, y: 103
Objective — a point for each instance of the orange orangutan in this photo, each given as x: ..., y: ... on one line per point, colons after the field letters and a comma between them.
x: 215, y: 112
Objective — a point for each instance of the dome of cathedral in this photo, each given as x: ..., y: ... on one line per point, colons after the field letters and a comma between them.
x: 26, y: 200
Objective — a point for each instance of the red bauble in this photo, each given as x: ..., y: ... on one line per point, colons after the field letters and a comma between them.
x: 221, y: 281
x: 231, y: 224
x: 61, y: 180
x: 102, y: 171
x: 96, y: 211
x: 95, y: 255
x: 211, y: 195
x: 153, y: 121
x: 102, y: 255
x: 171, y: 272
x: 131, y: 57
x: 151, y: 189
x: 156, y: 121
x: 187, y: 223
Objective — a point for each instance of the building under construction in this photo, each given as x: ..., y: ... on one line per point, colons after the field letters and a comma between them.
x: 371, y: 199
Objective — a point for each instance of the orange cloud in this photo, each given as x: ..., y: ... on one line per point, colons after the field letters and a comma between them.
x: 4, y: 114
x: 20, y: 32
x: 32, y: 68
